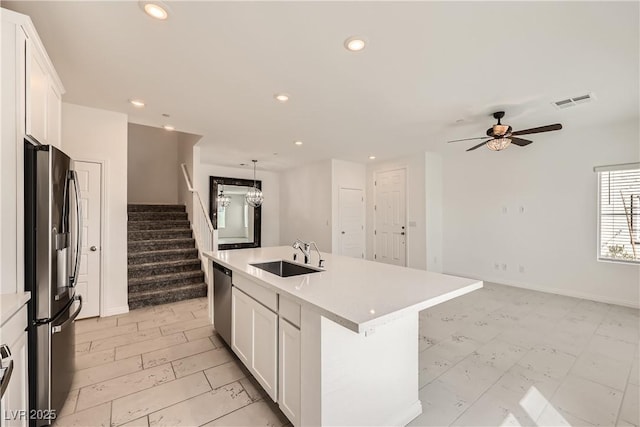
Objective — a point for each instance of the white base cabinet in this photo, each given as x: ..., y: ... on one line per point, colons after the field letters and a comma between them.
x: 289, y: 371
x: 15, y: 402
x: 254, y: 338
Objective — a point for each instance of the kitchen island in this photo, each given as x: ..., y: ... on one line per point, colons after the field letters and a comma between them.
x: 338, y: 346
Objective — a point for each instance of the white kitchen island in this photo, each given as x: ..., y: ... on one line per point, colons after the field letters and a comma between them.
x: 337, y: 347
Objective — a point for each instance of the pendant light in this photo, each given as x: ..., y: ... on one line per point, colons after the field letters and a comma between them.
x: 498, y: 144
x: 223, y: 200
x: 254, y: 196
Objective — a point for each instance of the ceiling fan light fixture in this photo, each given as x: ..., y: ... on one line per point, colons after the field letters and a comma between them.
x: 500, y: 130
x: 498, y: 144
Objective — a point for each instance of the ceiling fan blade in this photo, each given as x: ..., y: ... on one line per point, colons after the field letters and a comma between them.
x: 519, y: 141
x: 467, y: 139
x: 540, y: 129
x: 479, y: 145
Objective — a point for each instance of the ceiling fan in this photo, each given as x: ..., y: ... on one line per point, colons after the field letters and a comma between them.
x: 501, y: 136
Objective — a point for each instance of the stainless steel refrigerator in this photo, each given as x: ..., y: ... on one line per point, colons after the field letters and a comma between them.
x: 53, y: 224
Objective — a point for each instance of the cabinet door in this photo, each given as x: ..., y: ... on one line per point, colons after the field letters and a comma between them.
x: 54, y: 115
x: 289, y: 371
x: 242, y: 325
x: 15, y: 400
x: 37, y: 81
x: 265, y: 349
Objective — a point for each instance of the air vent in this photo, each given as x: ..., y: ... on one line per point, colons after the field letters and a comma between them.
x: 575, y: 101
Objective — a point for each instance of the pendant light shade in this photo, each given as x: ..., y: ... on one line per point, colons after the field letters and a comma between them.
x: 498, y: 144
x: 223, y: 200
x: 254, y: 196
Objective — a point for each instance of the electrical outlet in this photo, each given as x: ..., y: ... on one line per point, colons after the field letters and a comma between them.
x: 504, y: 267
x: 521, y: 268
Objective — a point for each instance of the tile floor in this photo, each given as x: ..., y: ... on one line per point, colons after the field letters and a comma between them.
x: 498, y: 356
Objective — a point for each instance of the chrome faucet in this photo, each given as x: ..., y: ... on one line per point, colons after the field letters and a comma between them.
x: 305, y: 248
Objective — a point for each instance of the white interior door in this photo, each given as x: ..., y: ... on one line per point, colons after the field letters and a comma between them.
x: 88, y: 285
x: 390, y: 217
x: 352, y: 222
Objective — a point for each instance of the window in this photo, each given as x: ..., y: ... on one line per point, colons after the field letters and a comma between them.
x: 619, y: 213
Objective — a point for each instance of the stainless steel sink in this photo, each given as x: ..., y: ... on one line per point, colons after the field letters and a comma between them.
x: 284, y: 268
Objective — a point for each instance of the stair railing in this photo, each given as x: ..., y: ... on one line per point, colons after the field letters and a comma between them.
x: 200, y: 222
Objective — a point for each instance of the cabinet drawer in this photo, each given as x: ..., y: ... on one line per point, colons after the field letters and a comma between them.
x: 290, y: 310
x: 15, y: 326
x: 259, y: 293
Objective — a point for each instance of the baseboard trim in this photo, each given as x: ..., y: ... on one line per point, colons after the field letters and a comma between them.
x: 115, y: 310
x: 559, y: 291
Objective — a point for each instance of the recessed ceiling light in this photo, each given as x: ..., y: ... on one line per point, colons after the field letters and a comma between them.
x: 372, y: 157
x: 155, y: 9
x: 168, y: 127
x: 354, y: 44
x: 137, y: 103
x: 298, y: 142
x: 282, y: 97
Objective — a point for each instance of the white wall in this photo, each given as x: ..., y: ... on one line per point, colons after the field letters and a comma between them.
x: 152, y: 165
x: 305, y: 205
x: 433, y: 199
x: 344, y: 174
x: 554, y: 239
x: 416, y: 204
x: 100, y: 135
x: 186, y: 143
x: 270, y: 234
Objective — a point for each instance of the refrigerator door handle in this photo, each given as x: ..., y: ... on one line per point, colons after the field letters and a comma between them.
x: 73, y: 279
x: 62, y: 326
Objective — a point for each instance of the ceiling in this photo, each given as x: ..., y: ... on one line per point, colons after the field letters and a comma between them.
x: 215, y: 66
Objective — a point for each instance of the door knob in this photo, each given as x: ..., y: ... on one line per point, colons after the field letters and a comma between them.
x: 343, y: 232
x: 402, y: 234
x: 93, y: 249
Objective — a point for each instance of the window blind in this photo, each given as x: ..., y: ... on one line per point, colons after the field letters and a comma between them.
x: 619, y: 213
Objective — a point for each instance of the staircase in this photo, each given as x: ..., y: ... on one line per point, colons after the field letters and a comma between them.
x: 163, y: 263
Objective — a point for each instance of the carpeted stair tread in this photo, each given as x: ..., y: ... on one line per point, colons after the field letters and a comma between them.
x: 145, y: 257
x: 158, y: 225
x: 162, y: 277
x: 169, y: 233
x: 149, y: 216
x: 155, y: 208
x: 163, y: 296
x: 163, y: 267
x: 158, y: 244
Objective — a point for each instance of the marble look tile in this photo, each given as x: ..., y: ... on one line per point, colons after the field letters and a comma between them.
x: 602, y: 369
x: 165, y: 320
x: 523, y: 337
x: 548, y: 361
x: 440, y: 405
x: 457, y: 347
x: 203, y: 312
x: 432, y: 363
x: 140, y: 422
x: 569, y: 342
x: 592, y: 402
x: 107, y: 371
x: 482, y: 330
x: 224, y: 374
x: 613, y: 348
x: 112, y: 389
x: 156, y: 398
x: 629, y: 412
x: 135, y: 337
x: 175, y: 352
x: 634, y: 375
x: 521, y: 382
x: 145, y: 313
x: 106, y: 333
x: 498, y: 354
x: 469, y: 379
x: 89, y: 325
x: 98, y: 416
x: 216, y: 340
x: 190, y: 305
x: 184, y: 326
x: 621, y: 330
x: 197, y: 333
x: 201, y: 361
x: 95, y: 358
x: 203, y: 408
x: 494, y: 409
x: 157, y: 343
x: 257, y: 414
x: 69, y: 406
x: 554, y: 417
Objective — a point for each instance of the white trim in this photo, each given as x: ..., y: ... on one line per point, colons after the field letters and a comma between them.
x: 620, y: 167
x: 123, y: 309
x: 406, y: 211
x: 557, y: 291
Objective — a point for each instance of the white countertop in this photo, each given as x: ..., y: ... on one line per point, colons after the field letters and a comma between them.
x: 355, y: 293
x: 11, y: 303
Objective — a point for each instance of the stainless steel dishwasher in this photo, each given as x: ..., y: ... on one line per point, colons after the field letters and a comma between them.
x: 222, y: 301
